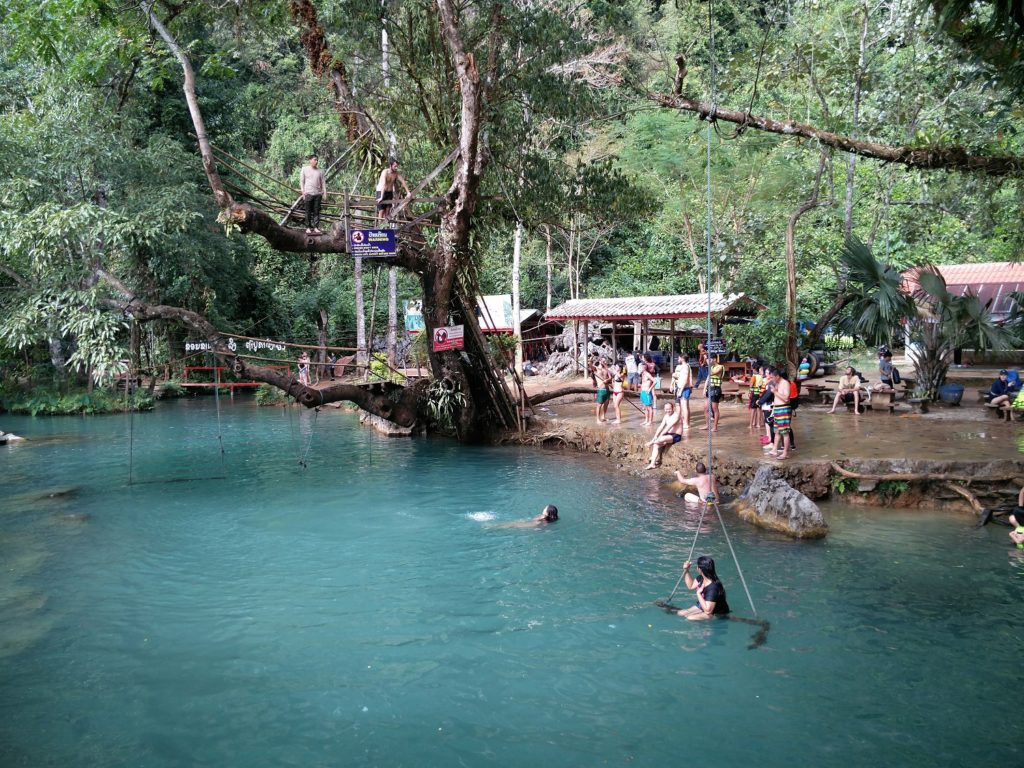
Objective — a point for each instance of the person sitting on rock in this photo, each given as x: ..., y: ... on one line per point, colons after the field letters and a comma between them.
x: 669, y: 432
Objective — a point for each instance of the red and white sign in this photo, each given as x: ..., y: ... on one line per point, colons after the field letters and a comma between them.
x: 448, y: 337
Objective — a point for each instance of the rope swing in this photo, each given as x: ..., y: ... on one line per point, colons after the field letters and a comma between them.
x: 710, y: 500
x: 131, y: 434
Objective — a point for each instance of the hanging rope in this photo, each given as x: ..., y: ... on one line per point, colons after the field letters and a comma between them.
x: 693, y: 547
x: 312, y: 432
x: 711, y: 499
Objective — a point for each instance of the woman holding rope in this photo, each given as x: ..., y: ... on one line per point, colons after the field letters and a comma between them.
x: 710, y: 593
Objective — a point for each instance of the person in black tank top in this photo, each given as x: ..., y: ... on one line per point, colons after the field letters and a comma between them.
x: 709, y: 591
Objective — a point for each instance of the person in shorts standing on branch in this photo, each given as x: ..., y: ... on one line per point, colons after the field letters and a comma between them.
x: 314, y: 193
x: 386, y: 189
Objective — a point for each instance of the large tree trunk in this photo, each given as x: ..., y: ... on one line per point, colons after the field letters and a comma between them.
x: 321, y: 356
x: 517, y: 330
x: 489, y: 404
x: 792, y: 355
x: 549, y: 261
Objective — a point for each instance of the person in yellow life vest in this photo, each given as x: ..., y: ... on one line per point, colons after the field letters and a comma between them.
x: 757, y: 385
x: 713, y: 392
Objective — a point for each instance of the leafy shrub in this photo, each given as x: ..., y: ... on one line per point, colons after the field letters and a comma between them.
x: 172, y: 389
x: 381, y: 371
x: 443, y: 398
x: 52, y: 403
x: 268, y: 395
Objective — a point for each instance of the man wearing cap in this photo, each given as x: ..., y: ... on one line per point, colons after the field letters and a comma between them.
x: 1001, y: 390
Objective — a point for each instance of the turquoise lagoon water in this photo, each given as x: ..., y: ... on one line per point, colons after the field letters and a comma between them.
x: 364, y: 611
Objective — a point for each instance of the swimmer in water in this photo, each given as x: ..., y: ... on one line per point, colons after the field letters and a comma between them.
x: 548, y: 515
x: 709, y: 591
x: 704, y: 483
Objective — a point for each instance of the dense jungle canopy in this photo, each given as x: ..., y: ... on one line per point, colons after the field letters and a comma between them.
x: 894, y: 123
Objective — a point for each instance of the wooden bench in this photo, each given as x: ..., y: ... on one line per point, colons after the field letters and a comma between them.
x: 883, y: 399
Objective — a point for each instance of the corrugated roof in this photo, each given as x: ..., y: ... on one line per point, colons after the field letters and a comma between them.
x: 690, y: 305
x: 989, y: 281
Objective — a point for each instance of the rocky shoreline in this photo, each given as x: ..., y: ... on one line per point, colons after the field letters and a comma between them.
x: 897, y: 483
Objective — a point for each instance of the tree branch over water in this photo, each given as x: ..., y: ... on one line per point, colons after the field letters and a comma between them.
x: 385, y: 399
x: 944, y: 158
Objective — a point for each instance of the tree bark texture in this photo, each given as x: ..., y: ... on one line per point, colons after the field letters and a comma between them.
x: 490, y: 404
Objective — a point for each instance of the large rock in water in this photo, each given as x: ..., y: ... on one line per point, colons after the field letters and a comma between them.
x: 770, y: 502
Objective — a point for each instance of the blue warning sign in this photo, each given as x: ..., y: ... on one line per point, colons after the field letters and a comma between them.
x: 372, y: 243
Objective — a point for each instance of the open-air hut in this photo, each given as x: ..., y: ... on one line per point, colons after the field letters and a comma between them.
x: 634, y: 315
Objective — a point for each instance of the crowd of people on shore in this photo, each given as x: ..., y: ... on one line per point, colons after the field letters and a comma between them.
x: 771, y: 400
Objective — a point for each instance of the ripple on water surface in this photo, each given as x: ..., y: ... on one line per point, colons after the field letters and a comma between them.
x: 371, y: 610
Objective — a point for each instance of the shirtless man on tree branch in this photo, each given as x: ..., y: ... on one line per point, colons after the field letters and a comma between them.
x: 386, y: 189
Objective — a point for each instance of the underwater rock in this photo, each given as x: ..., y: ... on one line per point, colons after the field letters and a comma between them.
x: 770, y: 502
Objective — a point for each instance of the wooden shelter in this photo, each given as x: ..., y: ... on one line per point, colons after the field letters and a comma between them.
x: 641, y: 311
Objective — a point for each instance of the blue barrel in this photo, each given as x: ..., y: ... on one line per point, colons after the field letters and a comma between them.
x: 951, y: 394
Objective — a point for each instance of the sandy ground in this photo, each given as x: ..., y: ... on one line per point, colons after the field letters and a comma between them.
x: 967, y: 432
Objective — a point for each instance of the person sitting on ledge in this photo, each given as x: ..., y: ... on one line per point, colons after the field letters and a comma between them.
x: 1001, y: 390
x: 709, y: 591
x: 670, y: 432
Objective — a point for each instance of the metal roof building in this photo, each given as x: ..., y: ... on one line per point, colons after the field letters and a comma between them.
x: 692, y: 306
x: 989, y: 281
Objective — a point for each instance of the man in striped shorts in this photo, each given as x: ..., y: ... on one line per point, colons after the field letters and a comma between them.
x: 782, y: 414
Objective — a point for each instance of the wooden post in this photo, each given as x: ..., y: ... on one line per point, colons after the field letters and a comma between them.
x: 576, y: 347
x: 615, y: 344
x: 345, y: 216
x: 672, y: 344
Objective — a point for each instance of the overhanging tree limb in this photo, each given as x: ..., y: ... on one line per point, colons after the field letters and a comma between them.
x: 390, y: 401
x: 946, y: 158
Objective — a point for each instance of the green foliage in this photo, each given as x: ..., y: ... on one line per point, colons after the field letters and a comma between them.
x: 43, y: 402
x: 172, y: 389
x: 444, y: 399
x: 503, y: 348
x: 891, y: 489
x: 841, y: 484
x: 268, y: 395
x: 381, y: 371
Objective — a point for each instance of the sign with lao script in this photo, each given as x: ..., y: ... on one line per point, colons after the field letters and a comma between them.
x: 448, y: 337
x: 716, y: 347
x: 372, y: 243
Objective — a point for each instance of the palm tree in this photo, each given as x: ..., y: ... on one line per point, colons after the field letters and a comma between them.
x: 885, y: 305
